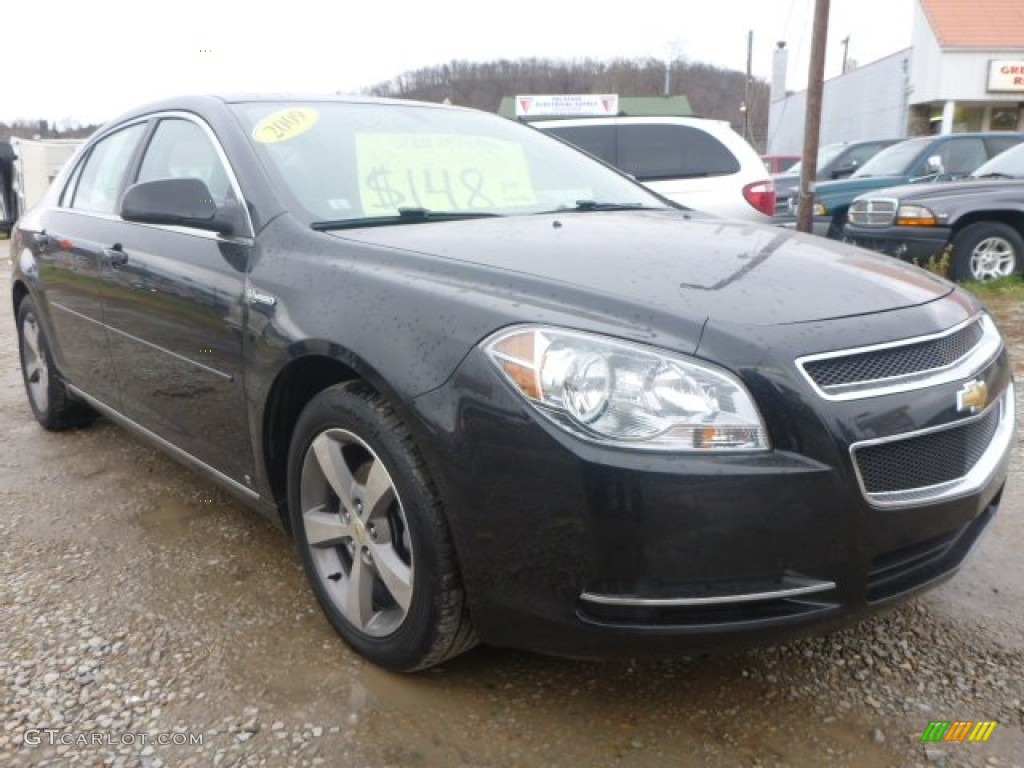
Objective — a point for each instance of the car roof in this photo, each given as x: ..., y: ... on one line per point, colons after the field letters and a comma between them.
x: 216, y: 101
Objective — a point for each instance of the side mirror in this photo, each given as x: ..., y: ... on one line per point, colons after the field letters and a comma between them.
x: 185, y: 202
x: 844, y: 170
x: 934, y: 165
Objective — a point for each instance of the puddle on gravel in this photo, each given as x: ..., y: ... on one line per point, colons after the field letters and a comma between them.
x: 169, y: 514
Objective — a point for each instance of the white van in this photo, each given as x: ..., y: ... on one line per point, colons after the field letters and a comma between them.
x: 700, y: 163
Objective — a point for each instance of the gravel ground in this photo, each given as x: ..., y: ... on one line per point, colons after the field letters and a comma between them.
x: 142, y: 609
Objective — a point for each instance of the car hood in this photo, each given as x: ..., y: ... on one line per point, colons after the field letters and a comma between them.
x: 944, y: 189
x: 690, y: 265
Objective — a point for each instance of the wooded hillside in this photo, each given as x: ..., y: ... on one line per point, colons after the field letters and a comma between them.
x: 712, y: 92
x: 28, y: 129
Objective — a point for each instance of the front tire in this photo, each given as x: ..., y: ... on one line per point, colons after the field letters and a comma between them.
x: 52, y: 405
x: 987, y: 250
x: 371, y: 532
x: 836, y: 226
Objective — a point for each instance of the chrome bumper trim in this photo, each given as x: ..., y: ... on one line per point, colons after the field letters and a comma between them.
x: 803, y: 587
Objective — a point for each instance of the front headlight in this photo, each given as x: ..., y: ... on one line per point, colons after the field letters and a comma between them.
x: 820, y: 210
x: 915, y: 216
x: 625, y: 394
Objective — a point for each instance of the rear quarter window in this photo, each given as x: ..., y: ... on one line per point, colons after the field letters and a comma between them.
x: 999, y: 144
x: 652, y: 152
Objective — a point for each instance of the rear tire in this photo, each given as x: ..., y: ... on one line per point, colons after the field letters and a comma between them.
x: 371, y: 532
x: 52, y: 405
x: 987, y: 250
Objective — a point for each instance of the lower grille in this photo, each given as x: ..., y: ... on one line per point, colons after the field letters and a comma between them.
x: 927, y: 460
x: 910, y: 568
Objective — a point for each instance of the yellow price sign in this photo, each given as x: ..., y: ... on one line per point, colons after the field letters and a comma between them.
x: 285, y: 124
x: 440, y: 172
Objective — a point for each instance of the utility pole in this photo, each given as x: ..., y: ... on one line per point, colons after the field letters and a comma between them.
x: 746, y: 87
x: 846, y: 52
x: 812, y: 121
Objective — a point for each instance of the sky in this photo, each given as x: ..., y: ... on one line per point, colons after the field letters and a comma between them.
x: 89, y: 60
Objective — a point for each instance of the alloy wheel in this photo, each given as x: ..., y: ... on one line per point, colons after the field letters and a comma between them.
x: 992, y: 258
x: 37, y: 375
x: 357, y: 532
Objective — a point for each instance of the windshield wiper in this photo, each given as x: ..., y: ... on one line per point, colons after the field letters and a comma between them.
x: 995, y: 175
x: 405, y: 216
x: 596, y: 205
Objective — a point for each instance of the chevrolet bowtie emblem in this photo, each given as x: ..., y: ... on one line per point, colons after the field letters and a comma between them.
x: 972, y: 397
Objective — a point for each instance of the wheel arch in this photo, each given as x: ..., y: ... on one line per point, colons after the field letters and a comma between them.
x: 314, y: 368
x: 18, y: 293
x: 1010, y: 217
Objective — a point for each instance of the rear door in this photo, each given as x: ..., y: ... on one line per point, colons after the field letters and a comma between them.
x: 71, y: 249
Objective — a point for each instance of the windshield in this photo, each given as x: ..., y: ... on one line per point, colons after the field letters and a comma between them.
x: 1009, y: 164
x: 896, y: 160
x: 397, y: 163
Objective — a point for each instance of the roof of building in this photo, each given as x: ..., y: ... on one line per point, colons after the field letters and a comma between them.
x: 633, y: 106
x: 976, y: 24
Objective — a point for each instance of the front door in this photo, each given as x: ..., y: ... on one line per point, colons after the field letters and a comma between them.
x: 175, y: 309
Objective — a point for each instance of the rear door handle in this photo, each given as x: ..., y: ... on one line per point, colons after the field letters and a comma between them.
x: 117, y: 256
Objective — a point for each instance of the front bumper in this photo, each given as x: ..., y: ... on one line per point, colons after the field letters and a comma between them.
x: 576, y: 549
x: 819, y: 224
x: 913, y: 244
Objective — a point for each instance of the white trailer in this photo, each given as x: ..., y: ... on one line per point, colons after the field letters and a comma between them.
x: 36, y: 164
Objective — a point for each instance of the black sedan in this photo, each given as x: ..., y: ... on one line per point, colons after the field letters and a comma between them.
x: 980, y: 219
x: 498, y: 391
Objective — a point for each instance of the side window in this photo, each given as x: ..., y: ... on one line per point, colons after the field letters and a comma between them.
x: 598, y: 140
x: 69, y: 189
x: 961, y: 156
x: 860, y: 155
x: 180, y: 149
x: 671, y: 151
x: 99, y: 183
x: 999, y: 144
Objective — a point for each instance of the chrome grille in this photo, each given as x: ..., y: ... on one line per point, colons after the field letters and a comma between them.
x: 938, y: 463
x: 894, y: 362
x: 926, y: 460
x: 873, y: 212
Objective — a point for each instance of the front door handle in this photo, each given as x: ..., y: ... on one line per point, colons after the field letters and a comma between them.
x: 117, y: 256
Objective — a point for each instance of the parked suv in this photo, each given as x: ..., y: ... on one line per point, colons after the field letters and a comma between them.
x: 835, y: 161
x: 981, y: 217
x: 928, y: 158
x: 700, y: 163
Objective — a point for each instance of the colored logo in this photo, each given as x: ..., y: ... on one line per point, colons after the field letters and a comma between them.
x: 972, y: 396
x: 958, y: 730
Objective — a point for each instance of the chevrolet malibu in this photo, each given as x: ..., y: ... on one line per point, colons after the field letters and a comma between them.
x: 497, y: 391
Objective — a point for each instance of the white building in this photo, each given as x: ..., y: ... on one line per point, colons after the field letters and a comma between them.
x: 963, y: 72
